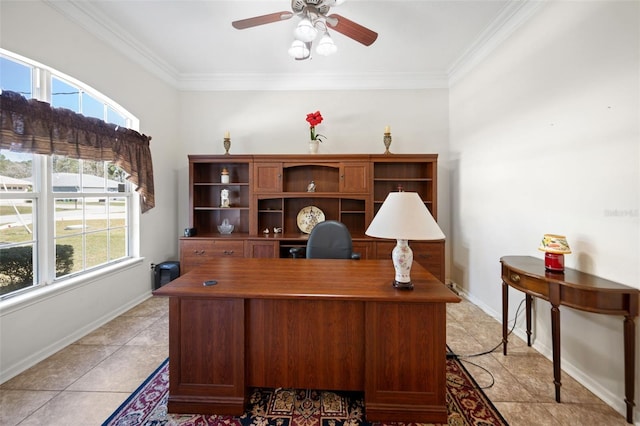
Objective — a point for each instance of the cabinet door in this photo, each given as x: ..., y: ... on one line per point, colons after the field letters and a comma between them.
x: 257, y: 248
x: 430, y: 255
x: 267, y: 177
x: 365, y: 249
x: 354, y: 177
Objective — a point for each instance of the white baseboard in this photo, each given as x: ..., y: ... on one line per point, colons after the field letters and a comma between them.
x: 614, y: 401
x: 28, y: 362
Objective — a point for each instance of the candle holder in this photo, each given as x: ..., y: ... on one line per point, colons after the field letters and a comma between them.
x: 227, y: 145
x: 387, y: 142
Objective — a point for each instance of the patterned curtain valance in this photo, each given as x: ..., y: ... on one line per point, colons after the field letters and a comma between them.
x: 29, y: 125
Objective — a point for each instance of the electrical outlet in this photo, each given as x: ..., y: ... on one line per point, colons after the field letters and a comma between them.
x: 152, y: 266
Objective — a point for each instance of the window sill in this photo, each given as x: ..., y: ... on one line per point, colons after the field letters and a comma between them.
x: 42, y: 292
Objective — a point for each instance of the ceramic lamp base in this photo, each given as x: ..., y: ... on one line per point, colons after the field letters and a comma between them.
x: 402, y: 286
x: 554, y: 262
x: 402, y: 257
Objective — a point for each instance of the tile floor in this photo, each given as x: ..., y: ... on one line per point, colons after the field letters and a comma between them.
x: 85, y: 382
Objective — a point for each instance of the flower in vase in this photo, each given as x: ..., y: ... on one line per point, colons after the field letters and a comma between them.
x: 314, y: 119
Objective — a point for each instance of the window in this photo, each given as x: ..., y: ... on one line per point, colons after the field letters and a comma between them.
x: 60, y: 217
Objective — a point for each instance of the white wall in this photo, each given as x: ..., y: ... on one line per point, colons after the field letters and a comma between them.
x: 545, y: 139
x: 30, y: 332
x: 273, y: 122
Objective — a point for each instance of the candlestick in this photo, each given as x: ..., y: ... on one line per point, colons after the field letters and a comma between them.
x: 227, y: 144
x: 387, y: 141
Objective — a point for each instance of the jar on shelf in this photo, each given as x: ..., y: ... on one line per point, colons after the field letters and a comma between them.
x: 224, y: 176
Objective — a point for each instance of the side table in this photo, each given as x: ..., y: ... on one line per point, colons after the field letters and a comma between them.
x: 577, y: 290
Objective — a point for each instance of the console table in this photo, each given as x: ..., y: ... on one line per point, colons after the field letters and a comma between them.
x: 577, y: 290
x: 308, y: 323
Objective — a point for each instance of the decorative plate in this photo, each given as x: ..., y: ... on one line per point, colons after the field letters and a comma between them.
x: 308, y: 217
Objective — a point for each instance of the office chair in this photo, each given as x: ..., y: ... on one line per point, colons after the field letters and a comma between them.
x: 328, y: 240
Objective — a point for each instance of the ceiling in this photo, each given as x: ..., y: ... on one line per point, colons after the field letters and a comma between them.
x: 192, y: 45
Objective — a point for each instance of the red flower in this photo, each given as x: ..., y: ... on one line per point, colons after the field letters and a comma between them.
x: 314, y: 119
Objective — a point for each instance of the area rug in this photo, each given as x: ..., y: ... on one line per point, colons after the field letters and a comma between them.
x: 147, y: 406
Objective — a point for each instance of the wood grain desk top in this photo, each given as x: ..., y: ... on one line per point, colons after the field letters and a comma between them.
x: 261, y: 278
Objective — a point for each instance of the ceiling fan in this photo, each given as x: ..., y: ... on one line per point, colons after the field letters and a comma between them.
x: 314, y: 19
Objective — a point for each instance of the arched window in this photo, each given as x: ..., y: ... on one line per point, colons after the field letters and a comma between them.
x: 61, y: 216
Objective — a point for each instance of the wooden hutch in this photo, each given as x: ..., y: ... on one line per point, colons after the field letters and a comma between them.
x: 267, y: 192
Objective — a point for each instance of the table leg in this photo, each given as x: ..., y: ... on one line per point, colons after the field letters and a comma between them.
x: 505, y: 314
x: 629, y: 364
x: 527, y: 303
x: 555, y: 338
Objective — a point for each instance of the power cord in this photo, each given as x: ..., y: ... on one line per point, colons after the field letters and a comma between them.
x: 453, y: 355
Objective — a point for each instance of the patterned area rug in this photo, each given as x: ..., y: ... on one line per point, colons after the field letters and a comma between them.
x: 467, y: 406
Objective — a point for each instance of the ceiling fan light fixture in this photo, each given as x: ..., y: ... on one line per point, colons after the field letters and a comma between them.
x: 305, y: 31
x: 326, y: 46
x: 298, y: 50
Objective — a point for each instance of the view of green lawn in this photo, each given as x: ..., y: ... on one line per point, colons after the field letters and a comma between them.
x: 101, y: 244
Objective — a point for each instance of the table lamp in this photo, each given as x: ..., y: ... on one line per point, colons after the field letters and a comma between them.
x: 403, y: 216
x: 555, y: 247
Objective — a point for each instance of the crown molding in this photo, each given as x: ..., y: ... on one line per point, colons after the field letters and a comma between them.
x: 88, y: 17
x: 310, y: 81
x: 512, y: 16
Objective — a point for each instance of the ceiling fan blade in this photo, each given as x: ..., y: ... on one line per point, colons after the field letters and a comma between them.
x: 261, y: 20
x: 351, y: 29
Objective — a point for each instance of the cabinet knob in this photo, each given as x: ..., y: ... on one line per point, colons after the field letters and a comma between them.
x: 228, y: 252
x: 198, y: 252
x: 515, y: 278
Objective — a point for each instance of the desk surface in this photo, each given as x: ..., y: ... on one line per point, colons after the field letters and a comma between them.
x: 255, y: 278
x: 308, y: 323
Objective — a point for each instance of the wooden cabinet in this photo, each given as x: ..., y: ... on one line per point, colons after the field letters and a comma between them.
x: 266, y: 193
x: 354, y: 177
x: 196, y: 251
x: 268, y: 177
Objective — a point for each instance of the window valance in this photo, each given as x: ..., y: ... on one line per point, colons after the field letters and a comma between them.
x: 29, y: 125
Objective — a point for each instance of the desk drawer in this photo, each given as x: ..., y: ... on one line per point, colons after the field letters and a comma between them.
x: 535, y: 287
x: 194, y: 252
x: 213, y: 248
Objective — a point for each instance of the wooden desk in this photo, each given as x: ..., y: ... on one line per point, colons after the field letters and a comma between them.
x: 577, y: 290
x: 308, y: 323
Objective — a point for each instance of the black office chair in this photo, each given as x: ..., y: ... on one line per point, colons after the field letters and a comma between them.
x: 328, y: 240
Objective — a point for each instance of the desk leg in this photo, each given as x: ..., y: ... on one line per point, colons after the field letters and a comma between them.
x: 505, y: 314
x: 555, y: 338
x: 629, y: 364
x: 527, y: 303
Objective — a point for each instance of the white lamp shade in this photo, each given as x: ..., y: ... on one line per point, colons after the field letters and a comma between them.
x: 403, y: 216
x: 326, y: 46
x: 305, y: 31
x: 298, y: 50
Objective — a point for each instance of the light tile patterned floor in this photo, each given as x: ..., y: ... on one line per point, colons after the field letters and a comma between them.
x: 85, y: 382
